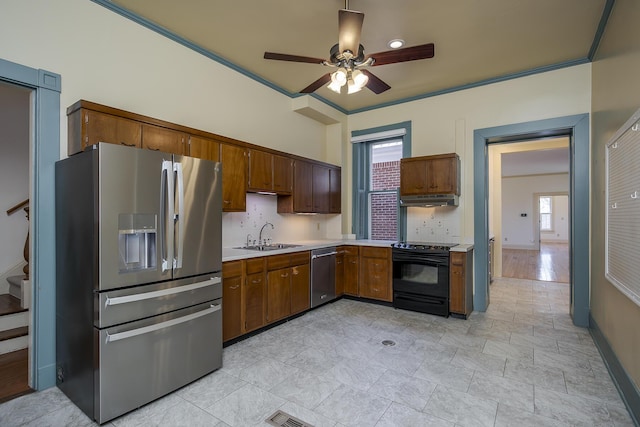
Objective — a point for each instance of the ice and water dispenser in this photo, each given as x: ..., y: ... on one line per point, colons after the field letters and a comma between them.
x: 137, y: 235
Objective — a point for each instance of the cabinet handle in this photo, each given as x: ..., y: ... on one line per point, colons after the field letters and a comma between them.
x: 234, y: 287
x: 128, y: 145
x: 153, y: 149
x: 226, y: 202
x: 254, y: 281
x: 284, y: 275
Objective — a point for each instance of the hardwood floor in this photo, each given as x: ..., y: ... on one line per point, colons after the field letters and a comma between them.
x: 549, y: 264
x: 14, y: 373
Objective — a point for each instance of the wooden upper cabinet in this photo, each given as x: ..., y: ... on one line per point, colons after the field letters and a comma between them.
x: 302, y: 187
x: 88, y: 127
x: 260, y: 171
x: 335, y: 190
x: 321, y: 189
x: 157, y: 138
x: 204, y: 148
x: 282, y: 174
x: 430, y: 175
x: 234, y: 178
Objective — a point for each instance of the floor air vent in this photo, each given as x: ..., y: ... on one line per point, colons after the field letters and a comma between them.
x: 282, y: 419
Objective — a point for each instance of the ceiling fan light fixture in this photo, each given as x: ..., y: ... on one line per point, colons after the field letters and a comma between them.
x: 334, y: 86
x: 353, y: 87
x: 396, y: 43
x: 339, y: 77
x: 359, y: 78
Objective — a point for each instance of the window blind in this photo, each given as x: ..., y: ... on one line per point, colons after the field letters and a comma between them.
x: 623, y: 209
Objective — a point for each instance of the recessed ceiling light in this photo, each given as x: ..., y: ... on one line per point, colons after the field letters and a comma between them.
x: 396, y: 43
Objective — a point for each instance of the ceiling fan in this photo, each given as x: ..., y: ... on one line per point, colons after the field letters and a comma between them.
x: 349, y: 59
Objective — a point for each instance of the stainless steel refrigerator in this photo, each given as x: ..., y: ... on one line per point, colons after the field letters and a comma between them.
x: 139, y: 293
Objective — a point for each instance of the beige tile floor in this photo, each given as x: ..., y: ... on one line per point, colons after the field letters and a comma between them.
x: 521, y: 363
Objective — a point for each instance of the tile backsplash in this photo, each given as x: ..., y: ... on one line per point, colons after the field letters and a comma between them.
x: 286, y: 227
x: 436, y: 224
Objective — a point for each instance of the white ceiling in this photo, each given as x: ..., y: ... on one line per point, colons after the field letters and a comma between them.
x: 475, y: 41
x: 545, y: 161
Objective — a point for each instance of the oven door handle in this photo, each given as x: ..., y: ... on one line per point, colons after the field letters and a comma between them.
x: 161, y: 293
x: 151, y: 328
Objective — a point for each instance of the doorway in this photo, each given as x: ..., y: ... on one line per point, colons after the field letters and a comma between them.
x: 531, y: 239
x: 576, y: 128
x: 44, y: 151
x: 15, y: 289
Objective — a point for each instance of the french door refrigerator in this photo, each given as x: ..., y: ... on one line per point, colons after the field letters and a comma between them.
x: 139, y: 293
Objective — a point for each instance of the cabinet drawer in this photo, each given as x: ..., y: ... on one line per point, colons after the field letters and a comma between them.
x: 350, y: 250
x: 231, y: 269
x: 276, y: 262
x: 373, y: 252
x: 255, y: 265
x: 300, y: 258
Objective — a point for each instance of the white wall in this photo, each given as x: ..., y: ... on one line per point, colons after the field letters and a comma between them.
x: 108, y: 59
x: 446, y: 123
x: 559, y: 221
x: 14, y: 175
x: 518, y: 198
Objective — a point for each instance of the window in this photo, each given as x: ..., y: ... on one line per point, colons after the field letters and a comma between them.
x: 545, y: 213
x: 376, y: 178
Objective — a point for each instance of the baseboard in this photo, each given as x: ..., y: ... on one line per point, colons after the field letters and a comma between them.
x: 522, y: 247
x: 625, y: 385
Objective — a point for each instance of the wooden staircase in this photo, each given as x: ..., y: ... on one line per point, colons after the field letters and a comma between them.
x: 14, y: 342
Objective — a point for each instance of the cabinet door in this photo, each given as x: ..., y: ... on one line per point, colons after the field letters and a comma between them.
x: 278, y: 294
x: 254, y: 301
x: 157, y: 138
x: 442, y: 175
x: 413, y: 176
x: 204, y: 148
x: 457, y: 283
x: 234, y: 178
x: 302, y: 187
x: 300, y: 288
x: 231, y: 305
x: 260, y: 171
x: 340, y: 272
x: 100, y: 127
x: 282, y: 174
x: 374, y: 282
x: 335, y: 190
x: 351, y: 275
x: 321, y: 189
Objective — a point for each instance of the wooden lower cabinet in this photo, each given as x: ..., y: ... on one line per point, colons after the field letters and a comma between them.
x: 254, y: 295
x: 461, y: 284
x: 351, y: 270
x: 231, y: 300
x: 288, y: 285
x: 340, y: 271
x: 375, y: 273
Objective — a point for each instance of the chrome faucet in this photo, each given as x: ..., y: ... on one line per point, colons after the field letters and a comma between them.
x: 260, y: 242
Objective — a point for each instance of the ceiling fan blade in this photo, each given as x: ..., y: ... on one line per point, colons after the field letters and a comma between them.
x: 414, y: 53
x: 349, y: 30
x: 292, y: 58
x: 376, y: 85
x: 317, y: 84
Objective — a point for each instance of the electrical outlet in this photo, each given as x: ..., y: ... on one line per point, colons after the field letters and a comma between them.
x: 506, y: 240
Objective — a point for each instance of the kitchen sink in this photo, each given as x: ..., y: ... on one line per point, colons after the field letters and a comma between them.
x: 271, y: 247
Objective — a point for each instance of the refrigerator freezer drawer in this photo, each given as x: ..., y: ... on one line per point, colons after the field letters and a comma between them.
x: 125, y: 305
x: 144, y: 360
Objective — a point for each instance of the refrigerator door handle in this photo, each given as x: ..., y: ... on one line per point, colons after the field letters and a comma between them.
x: 166, y: 214
x: 161, y: 293
x: 179, y: 218
x: 151, y: 328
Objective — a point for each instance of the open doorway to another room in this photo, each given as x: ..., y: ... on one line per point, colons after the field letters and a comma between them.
x: 15, y: 122
x: 529, y: 216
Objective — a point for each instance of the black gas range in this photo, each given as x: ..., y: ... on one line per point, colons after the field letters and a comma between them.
x: 421, y: 276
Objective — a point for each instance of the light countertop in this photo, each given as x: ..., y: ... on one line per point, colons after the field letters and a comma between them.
x: 463, y: 247
x: 233, y: 254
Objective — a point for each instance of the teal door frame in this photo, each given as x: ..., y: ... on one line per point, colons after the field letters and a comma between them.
x: 577, y: 129
x: 45, y: 151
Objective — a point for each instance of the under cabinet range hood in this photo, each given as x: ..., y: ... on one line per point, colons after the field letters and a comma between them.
x: 428, y: 200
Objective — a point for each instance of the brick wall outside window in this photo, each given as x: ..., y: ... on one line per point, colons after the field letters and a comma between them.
x: 384, y: 207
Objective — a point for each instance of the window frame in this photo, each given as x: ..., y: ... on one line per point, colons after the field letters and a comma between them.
x: 550, y: 213
x: 361, y: 221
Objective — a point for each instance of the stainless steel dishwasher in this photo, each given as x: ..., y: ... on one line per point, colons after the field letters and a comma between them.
x: 323, y: 275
